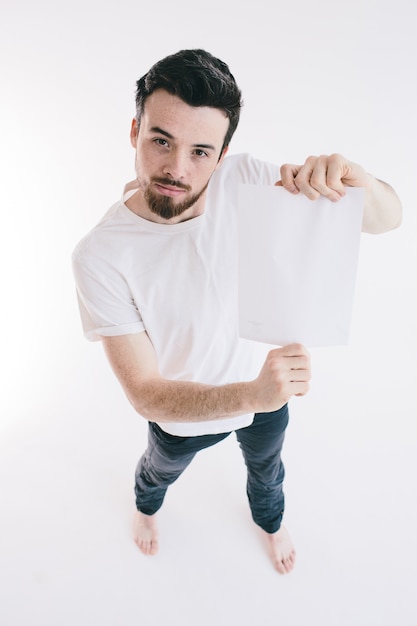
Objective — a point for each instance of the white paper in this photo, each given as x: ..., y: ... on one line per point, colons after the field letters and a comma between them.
x: 297, y: 265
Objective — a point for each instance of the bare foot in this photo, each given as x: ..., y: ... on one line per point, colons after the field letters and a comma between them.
x: 281, y: 550
x: 145, y: 533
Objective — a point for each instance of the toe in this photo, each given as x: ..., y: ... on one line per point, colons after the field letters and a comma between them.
x: 280, y: 567
x: 288, y: 564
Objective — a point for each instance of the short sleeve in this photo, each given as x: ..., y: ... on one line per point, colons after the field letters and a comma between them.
x: 106, y: 305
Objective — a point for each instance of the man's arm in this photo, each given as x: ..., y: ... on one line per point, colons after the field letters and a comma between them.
x: 328, y: 175
x: 286, y: 372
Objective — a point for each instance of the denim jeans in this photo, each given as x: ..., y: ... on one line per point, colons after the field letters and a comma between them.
x: 167, y: 456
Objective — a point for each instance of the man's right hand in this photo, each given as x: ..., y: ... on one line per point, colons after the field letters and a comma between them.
x: 285, y: 373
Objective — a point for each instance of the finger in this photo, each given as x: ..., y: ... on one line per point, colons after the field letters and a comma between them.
x: 291, y: 349
x: 294, y: 368
x: 278, y: 183
x: 299, y: 376
x: 337, y: 169
x: 288, y: 174
x: 331, y: 188
x: 303, y: 176
x: 299, y: 388
x: 315, y: 179
x: 299, y: 367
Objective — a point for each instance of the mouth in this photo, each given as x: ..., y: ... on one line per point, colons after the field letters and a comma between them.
x: 169, y: 190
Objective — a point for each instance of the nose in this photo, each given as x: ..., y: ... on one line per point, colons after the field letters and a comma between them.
x: 176, y: 165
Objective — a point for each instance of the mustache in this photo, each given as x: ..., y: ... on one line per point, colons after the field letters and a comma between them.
x: 169, y: 182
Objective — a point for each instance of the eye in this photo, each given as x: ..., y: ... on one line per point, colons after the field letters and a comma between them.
x: 200, y: 153
x: 161, y: 142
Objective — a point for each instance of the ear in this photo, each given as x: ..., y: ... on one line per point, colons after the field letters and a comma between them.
x: 134, y: 129
x: 221, y: 157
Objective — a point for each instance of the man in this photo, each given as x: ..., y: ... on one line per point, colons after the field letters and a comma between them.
x: 156, y: 282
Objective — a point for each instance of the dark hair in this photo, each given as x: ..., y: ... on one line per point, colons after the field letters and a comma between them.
x: 198, y: 78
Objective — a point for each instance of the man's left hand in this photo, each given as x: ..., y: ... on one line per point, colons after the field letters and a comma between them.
x: 323, y: 176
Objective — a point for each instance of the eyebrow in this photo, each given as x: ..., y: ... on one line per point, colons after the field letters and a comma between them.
x: 156, y: 129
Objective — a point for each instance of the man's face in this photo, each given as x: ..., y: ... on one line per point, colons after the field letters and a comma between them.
x: 177, y: 150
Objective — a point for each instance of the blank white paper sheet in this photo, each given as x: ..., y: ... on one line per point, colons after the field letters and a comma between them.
x: 297, y: 265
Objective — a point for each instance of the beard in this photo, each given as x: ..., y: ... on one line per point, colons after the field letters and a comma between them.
x: 164, y: 206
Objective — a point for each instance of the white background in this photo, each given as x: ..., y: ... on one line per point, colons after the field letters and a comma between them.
x: 317, y: 77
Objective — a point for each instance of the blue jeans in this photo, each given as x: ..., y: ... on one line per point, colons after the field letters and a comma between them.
x: 167, y: 456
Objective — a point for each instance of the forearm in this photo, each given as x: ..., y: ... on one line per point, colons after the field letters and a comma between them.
x: 285, y: 373
x: 179, y: 401
x: 382, y: 210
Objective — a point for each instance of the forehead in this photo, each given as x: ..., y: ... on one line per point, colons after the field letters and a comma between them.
x: 182, y: 121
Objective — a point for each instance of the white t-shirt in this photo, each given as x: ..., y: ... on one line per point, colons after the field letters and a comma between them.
x: 177, y: 282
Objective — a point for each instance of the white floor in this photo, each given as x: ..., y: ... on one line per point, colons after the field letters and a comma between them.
x: 67, y: 502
